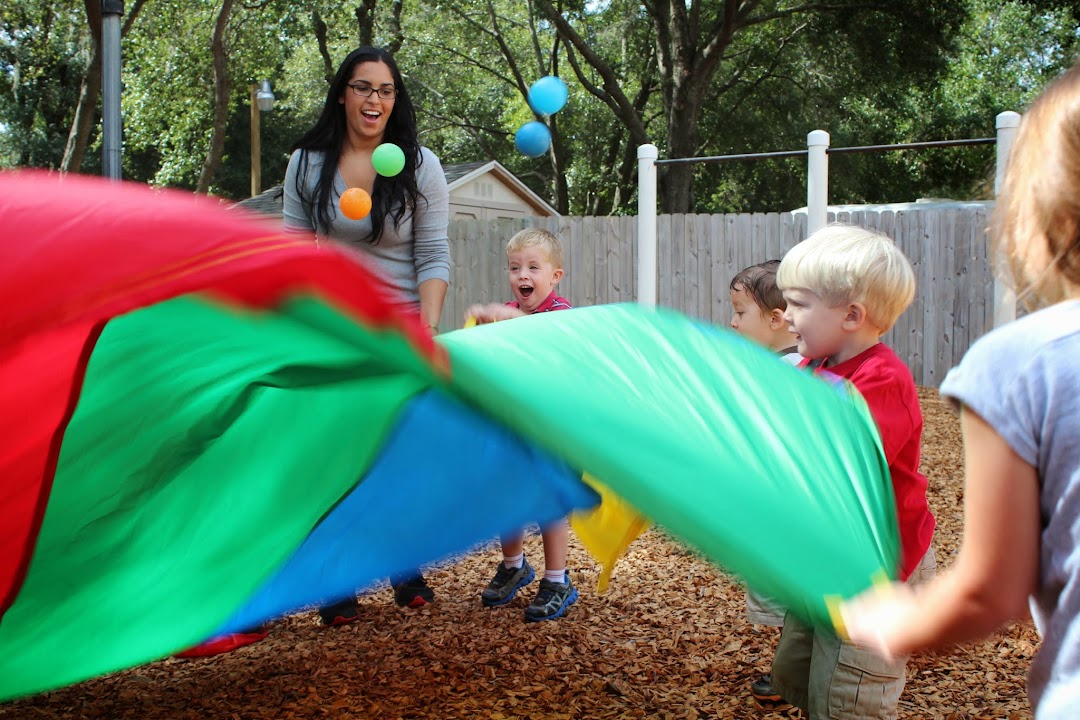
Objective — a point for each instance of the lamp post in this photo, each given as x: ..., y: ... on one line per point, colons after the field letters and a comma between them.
x: 111, y: 12
x: 262, y: 100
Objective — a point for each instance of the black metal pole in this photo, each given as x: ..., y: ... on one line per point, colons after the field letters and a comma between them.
x: 111, y: 12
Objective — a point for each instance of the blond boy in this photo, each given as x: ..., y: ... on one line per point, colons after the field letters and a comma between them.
x: 534, y: 268
x: 845, y: 287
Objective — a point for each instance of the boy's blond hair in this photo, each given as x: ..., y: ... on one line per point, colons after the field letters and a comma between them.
x: 537, y: 237
x: 844, y: 264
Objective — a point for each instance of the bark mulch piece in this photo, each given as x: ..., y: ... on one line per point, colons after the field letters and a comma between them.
x: 669, y: 640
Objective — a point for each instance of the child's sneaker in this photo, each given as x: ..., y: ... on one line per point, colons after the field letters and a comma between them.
x: 552, y: 600
x: 507, y: 581
x: 766, y: 696
x: 339, y: 613
x: 412, y: 592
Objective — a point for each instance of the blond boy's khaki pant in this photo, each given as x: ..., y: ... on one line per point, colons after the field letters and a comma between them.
x: 827, y: 678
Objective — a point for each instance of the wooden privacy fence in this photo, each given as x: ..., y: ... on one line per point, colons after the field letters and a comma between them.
x: 697, y: 255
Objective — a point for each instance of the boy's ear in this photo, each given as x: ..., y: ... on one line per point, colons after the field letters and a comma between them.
x: 855, y: 316
x: 776, y: 319
x: 556, y: 276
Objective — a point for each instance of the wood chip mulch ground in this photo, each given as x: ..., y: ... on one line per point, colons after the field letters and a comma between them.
x: 669, y: 640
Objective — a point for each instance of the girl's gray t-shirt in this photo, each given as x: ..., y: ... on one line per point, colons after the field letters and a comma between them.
x: 418, y: 249
x: 1024, y: 381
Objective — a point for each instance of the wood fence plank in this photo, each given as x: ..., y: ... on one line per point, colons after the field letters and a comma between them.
x: 663, y: 261
x: 932, y: 282
x: 692, y: 287
x: 916, y: 229
x: 899, y: 338
x: 629, y: 259
x: 984, y: 264
x: 720, y: 306
x: 950, y: 229
x: 703, y: 266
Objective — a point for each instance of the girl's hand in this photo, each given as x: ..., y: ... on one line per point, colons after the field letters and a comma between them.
x: 880, y: 619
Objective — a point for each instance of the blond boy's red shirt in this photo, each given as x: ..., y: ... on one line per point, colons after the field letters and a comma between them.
x: 551, y: 302
x: 886, y: 384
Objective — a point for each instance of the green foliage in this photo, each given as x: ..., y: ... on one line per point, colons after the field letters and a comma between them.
x: 996, y: 59
x: 905, y: 72
x: 168, y: 91
x: 43, y: 55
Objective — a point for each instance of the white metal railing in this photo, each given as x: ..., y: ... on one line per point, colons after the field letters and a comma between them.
x: 817, y: 195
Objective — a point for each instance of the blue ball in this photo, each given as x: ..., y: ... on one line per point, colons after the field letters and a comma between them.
x: 547, y: 95
x: 532, y: 139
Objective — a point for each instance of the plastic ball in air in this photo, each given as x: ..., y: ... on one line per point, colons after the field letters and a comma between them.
x: 388, y: 159
x: 548, y: 95
x: 533, y: 139
x: 355, y: 203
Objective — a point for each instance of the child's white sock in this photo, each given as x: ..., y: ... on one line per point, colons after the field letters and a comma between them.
x: 555, y: 576
x: 514, y: 561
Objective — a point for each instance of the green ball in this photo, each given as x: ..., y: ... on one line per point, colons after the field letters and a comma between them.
x: 388, y: 160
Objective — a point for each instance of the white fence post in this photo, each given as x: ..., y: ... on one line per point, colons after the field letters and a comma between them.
x: 646, y: 244
x: 1008, y: 123
x: 817, y: 180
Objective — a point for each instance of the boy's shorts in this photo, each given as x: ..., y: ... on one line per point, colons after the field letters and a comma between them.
x: 763, y: 610
x: 829, y: 678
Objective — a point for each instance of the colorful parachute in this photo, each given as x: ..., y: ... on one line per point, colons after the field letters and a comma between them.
x: 213, y: 423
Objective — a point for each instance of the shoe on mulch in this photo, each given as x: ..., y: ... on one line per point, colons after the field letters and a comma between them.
x: 507, y: 581
x: 552, y: 600
x: 223, y: 644
x: 766, y: 696
x: 339, y: 613
x: 412, y: 592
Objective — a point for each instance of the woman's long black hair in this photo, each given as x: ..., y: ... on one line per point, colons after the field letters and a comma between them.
x: 392, y: 196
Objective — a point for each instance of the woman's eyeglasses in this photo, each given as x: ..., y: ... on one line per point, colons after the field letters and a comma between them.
x: 386, y: 92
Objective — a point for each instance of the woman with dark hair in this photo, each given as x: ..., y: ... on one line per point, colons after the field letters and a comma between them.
x: 405, y: 233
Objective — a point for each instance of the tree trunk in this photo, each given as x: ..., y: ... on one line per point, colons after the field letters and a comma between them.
x: 559, y: 155
x: 558, y: 167
x: 365, y: 22
x: 79, y: 134
x: 221, y: 100
x: 319, y: 26
x: 676, y: 189
x: 85, y: 112
x: 627, y: 178
x: 397, y: 35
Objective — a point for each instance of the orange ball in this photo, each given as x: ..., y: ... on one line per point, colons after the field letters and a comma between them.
x: 355, y: 203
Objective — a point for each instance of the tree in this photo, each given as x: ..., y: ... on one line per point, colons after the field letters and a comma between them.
x: 179, y: 103
x: 1002, y: 56
x: 42, y: 58
x: 479, y: 59
x: 696, y: 77
x: 222, y: 85
x: 90, y: 89
x: 700, y: 49
x: 503, y: 42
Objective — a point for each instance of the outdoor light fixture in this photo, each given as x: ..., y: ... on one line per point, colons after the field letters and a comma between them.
x: 265, y: 97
